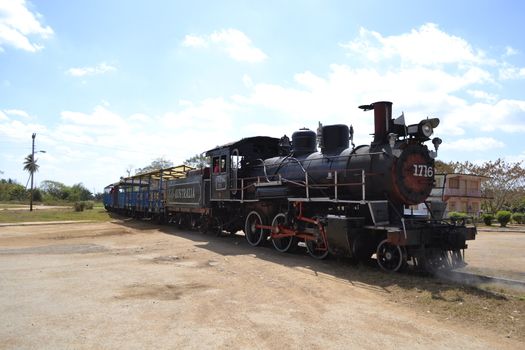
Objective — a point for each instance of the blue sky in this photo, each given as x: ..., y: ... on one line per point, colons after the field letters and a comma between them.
x: 112, y: 85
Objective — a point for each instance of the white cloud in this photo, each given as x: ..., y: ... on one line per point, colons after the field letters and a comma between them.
x: 19, y: 131
x: 510, y: 51
x: 504, y: 115
x: 234, y: 42
x: 213, y: 114
x: 86, y: 71
x: 194, y: 41
x: 425, y: 46
x: 483, y: 95
x: 18, y: 24
x: 17, y: 113
x: 515, y: 158
x: 473, y: 144
x: 247, y: 80
x: 422, y: 86
x: 508, y: 72
x: 100, y: 117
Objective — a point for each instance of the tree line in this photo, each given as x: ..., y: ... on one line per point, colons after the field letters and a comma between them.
x: 48, y: 192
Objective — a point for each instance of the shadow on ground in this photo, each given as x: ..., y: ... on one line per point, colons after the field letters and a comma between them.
x: 364, y: 275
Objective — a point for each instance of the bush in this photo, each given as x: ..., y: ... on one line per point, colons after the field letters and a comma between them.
x: 503, y: 217
x: 487, y: 219
x: 89, y: 204
x: 79, y: 206
x: 454, y: 215
x: 518, y: 218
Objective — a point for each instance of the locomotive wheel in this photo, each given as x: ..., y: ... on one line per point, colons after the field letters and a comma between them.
x: 390, y: 257
x: 217, y: 226
x: 255, y: 236
x: 204, y: 225
x: 313, y: 248
x: 281, y: 244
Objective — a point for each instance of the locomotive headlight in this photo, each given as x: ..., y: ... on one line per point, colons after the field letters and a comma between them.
x: 427, y: 130
x: 424, y: 129
x: 427, y: 126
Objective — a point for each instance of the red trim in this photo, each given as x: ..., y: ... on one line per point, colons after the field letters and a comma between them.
x: 290, y: 232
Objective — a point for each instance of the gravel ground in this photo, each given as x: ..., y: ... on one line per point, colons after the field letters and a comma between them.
x: 133, y: 285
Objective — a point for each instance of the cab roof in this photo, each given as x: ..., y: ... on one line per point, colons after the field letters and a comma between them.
x: 250, y: 147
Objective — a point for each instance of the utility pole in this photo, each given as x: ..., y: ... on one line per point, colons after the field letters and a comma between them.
x: 32, y: 172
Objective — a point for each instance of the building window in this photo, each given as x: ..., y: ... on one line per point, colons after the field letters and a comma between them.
x: 453, y: 183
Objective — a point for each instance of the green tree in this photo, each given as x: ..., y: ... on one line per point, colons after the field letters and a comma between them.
x: 443, y: 168
x: 17, y: 193
x: 197, y: 161
x: 5, y: 186
x: 37, y: 195
x: 54, y: 189
x: 157, y: 164
x: 78, y: 192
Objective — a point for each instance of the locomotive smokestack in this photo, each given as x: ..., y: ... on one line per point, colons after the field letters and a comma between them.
x: 382, y: 120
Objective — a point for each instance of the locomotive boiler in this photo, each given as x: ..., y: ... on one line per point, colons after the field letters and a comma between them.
x: 320, y: 191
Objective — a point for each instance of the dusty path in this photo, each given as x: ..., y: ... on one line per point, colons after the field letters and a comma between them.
x: 136, y: 286
x: 498, y: 253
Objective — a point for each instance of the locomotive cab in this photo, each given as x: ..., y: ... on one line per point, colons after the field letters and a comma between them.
x: 229, y: 163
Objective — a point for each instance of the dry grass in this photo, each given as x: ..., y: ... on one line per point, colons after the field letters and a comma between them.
x: 66, y: 214
x: 502, y: 311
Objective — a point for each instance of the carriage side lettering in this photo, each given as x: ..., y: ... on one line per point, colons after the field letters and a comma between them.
x: 184, y: 193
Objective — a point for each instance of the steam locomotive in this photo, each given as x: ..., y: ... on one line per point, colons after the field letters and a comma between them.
x: 342, y: 199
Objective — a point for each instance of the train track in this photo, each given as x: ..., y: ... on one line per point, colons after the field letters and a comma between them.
x: 475, y: 280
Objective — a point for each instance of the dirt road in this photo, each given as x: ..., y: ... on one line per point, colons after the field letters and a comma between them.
x: 132, y: 285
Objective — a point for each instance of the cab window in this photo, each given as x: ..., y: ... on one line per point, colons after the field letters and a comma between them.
x: 216, y: 166
x: 223, y: 164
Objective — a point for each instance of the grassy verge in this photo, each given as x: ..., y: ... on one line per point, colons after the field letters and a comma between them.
x: 96, y: 214
x: 10, y: 205
x: 494, y: 310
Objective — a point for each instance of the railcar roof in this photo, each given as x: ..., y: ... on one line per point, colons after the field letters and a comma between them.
x: 171, y: 173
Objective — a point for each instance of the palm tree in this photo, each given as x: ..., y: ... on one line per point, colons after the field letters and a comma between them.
x: 31, y: 167
x: 30, y: 164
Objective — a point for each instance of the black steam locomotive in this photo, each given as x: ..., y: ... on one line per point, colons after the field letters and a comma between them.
x: 342, y: 200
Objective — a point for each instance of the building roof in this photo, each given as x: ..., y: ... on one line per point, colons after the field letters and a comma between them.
x: 448, y: 175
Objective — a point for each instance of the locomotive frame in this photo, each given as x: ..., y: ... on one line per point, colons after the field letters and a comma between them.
x: 341, y: 201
